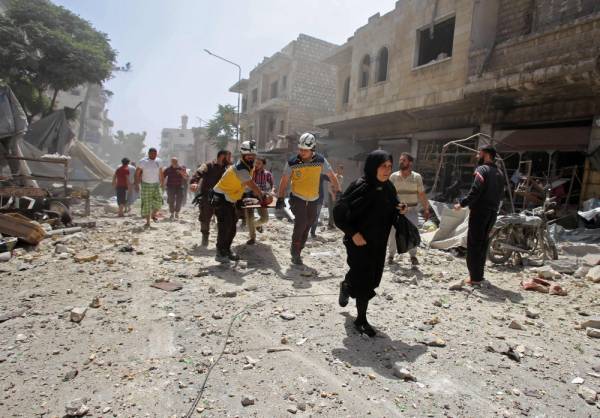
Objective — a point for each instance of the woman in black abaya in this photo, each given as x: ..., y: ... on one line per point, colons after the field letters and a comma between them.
x: 365, y: 214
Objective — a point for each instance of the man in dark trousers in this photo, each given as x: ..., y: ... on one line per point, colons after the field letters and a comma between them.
x: 484, y: 201
x: 209, y: 173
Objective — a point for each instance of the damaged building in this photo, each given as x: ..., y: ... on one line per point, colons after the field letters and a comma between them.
x: 525, y: 72
x: 285, y: 93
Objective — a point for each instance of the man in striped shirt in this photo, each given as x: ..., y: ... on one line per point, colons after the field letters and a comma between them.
x: 264, y: 180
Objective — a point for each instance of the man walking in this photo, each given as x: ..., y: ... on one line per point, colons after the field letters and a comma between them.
x: 121, y: 183
x: 175, y: 176
x: 203, y: 180
x: 149, y: 175
x: 264, y: 180
x: 303, y: 172
x: 227, y: 194
x: 483, y: 201
x: 410, y: 191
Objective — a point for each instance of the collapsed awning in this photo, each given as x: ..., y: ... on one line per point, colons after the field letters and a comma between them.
x: 546, y: 139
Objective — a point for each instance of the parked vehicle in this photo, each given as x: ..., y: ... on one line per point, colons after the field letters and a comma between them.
x: 524, y: 233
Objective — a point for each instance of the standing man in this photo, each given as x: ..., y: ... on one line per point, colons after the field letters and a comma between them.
x: 304, y: 171
x: 333, y: 196
x: 149, y: 175
x: 484, y: 201
x: 410, y: 191
x: 132, y: 195
x: 176, y: 177
x: 203, y: 180
x: 228, y: 194
x: 120, y: 182
x: 264, y: 180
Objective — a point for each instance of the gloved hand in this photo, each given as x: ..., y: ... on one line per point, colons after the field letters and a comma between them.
x: 280, y: 204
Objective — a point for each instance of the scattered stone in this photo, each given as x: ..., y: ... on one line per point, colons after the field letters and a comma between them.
x: 435, y: 342
x: 288, y: 316
x: 587, y: 394
x: 247, y: 400
x: 70, y: 375
x: 592, y: 322
x: 563, y: 266
x: 594, y: 274
x: 211, y: 289
x: 77, y: 314
x: 85, y: 257
x: 577, y: 381
x: 60, y: 249
x: 301, y: 406
x: 547, y: 272
x: 229, y: 294
x: 591, y: 259
x: 206, y: 352
x: 456, y: 285
x: 593, y: 332
x: 95, y: 303
x: 532, y: 313
x: 278, y: 349
x: 217, y: 315
x: 251, y: 288
x: 581, y: 272
x: 251, y: 360
x: 20, y: 338
x: 403, y: 373
x: 76, y: 408
x: 292, y: 410
x: 284, y: 340
x: 516, y: 325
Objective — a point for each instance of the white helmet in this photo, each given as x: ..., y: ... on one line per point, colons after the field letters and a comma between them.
x: 307, y: 141
x: 248, y: 147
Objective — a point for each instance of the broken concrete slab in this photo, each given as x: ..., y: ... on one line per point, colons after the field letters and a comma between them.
x: 77, y: 314
x: 594, y: 274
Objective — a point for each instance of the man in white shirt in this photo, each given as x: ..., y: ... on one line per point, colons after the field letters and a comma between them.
x: 149, y: 175
x: 410, y: 190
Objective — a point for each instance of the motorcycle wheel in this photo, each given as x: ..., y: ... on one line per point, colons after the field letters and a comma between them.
x: 496, y: 254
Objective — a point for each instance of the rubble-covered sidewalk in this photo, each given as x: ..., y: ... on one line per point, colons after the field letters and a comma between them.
x: 83, y: 331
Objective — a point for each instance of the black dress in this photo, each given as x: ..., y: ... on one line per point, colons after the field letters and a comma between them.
x: 369, y: 207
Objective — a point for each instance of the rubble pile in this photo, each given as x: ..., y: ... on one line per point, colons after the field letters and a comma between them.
x: 117, y: 320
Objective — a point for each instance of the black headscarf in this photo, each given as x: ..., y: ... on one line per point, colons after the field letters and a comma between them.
x: 372, y: 163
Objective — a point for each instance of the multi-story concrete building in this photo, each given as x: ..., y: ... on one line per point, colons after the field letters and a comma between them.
x: 431, y: 71
x: 178, y: 142
x: 286, y: 92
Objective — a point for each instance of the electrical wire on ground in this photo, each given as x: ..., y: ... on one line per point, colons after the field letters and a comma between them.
x: 245, y: 309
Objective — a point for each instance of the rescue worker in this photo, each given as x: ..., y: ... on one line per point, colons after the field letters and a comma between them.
x: 203, y: 180
x: 303, y: 173
x: 483, y: 201
x: 227, y: 196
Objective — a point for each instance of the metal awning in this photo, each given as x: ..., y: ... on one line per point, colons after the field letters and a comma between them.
x: 546, y: 139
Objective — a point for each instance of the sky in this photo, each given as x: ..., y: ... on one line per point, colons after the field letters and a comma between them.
x: 164, y: 41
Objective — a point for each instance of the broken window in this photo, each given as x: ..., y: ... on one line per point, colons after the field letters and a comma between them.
x: 272, y: 125
x: 274, y: 88
x: 346, y: 96
x: 382, y: 64
x: 281, y: 126
x: 365, y: 68
x: 244, y: 105
x: 284, y: 82
x: 254, y: 96
x: 435, y: 43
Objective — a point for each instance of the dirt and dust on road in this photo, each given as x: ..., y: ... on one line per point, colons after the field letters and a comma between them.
x: 83, y: 332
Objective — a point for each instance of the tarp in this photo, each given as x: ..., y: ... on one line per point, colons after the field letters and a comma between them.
x: 51, y: 134
x: 452, y: 232
x: 100, y: 170
x: 13, y: 120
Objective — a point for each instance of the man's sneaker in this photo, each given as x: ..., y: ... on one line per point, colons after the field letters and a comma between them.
x: 297, y: 260
x: 414, y: 261
x: 233, y: 256
x: 344, y: 295
x: 204, y: 240
x: 251, y: 241
x: 222, y: 258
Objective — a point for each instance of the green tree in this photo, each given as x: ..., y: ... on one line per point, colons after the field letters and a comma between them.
x: 130, y: 145
x: 221, y: 128
x: 44, y: 47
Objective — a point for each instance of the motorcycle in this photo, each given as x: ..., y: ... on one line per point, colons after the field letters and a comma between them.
x: 524, y: 233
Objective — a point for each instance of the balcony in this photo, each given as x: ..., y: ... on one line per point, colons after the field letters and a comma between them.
x: 275, y: 104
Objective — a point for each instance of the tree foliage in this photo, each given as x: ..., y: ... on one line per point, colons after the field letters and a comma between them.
x: 130, y: 145
x: 222, y: 128
x: 44, y: 47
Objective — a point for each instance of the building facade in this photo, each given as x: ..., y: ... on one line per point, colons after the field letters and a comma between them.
x: 286, y: 92
x: 179, y: 143
x: 431, y: 71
